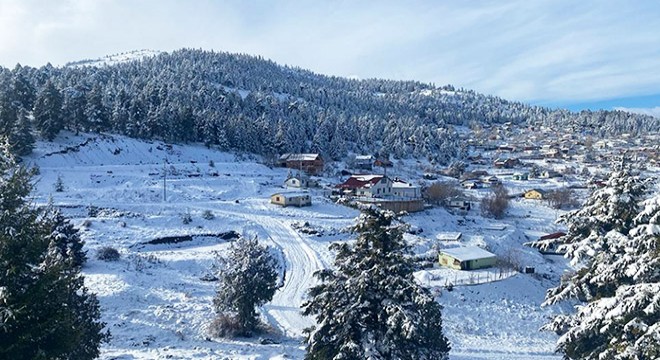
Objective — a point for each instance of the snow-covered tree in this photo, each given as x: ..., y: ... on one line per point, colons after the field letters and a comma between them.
x: 622, y: 317
x: 48, y: 111
x: 369, y: 306
x: 46, y: 312
x: 611, y: 208
x: 248, y: 279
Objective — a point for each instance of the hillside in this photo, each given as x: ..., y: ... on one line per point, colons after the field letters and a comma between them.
x: 156, y: 300
x: 249, y: 104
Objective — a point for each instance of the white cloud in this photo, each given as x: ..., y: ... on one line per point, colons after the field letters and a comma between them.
x: 654, y: 111
x: 522, y: 50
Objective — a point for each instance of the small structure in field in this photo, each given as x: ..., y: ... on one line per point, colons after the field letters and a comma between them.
x: 536, y: 194
x: 467, y: 258
x: 449, y: 236
x: 291, y: 199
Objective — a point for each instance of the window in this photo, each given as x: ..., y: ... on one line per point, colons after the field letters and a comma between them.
x: 277, y: 198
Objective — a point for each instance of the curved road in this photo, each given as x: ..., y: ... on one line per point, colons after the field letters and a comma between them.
x: 301, y: 261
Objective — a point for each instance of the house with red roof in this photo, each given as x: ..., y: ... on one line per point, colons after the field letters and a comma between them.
x: 367, y: 186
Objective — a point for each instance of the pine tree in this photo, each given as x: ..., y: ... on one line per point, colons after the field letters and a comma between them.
x: 247, y: 280
x: 21, y: 138
x: 45, y: 310
x: 48, y: 112
x: 98, y: 117
x: 369, y: 306
x: 611, y: 208
x: 622, y: 317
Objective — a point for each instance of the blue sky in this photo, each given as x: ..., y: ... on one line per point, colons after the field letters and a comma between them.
x: 558, y: 53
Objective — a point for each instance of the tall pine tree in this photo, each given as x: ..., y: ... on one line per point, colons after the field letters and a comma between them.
x: 48, y: 111
x: 45, y: 310
x: 369, y: 306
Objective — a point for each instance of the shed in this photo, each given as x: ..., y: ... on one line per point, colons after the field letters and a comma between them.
x: 291, y: 199
x: 467, y: 258
x: 449, y: 236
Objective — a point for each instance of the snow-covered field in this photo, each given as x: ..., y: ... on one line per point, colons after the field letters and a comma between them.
x: 156, y: 300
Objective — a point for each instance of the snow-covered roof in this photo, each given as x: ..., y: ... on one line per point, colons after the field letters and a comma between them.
x: 402, y: 184
x: 449, y: 236
x: 292, y: 194
x: 299, y: 157
x: 364, y: 157
x: 467, y: 253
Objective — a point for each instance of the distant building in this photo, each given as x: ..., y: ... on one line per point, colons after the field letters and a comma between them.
x: 364, y: 162
x: 311, y: 164
x: 449, y: 236
x: 291, y: 199
x: 536, y: 194
x: 404, y: 189
x: 367, y: 186
x: 299, y: 181
x: 467, y: 258
x: 520, y: 176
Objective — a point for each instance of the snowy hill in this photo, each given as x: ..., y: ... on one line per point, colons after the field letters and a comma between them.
x: 156, y: 299
x: 115, y: 59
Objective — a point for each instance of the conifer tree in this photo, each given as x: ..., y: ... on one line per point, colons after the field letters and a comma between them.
x: 45, y: 310
x: 369, y: 306
x: 248, y: 280
x: 48, y: 112
x: 621, y: 283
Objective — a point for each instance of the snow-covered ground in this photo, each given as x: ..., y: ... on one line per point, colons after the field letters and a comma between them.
x: 157, y: 304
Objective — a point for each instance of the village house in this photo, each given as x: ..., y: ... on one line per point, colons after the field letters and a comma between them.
x: 364, y: 162
x: 552, y: 248
x: 404, y: 189
x: 299, y: 181
x: 467, y: 258
x: 459, y: 204
x: 536, y: 194
x: 366, y: 186
x: 548, y: 174
x: 520, y: 176
x: 506, y: 163
x: 472, y: 184
x: 291, y: 199
x: 311, y: 164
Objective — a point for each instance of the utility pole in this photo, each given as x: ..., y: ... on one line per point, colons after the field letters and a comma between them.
x: 165, y: 180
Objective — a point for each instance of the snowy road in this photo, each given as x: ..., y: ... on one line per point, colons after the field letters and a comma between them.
x: 301, y: 263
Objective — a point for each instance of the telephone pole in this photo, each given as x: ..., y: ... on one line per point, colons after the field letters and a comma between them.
x: 165, y: 180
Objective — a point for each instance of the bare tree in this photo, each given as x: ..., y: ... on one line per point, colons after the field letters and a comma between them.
x: 440, y: 192
x: 495, y: 204
x: 562, y: 198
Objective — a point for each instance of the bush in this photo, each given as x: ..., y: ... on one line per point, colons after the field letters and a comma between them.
x: 225, y: 326
x: 186, y: 218
x: 208, y: 215
x: 108, y: 253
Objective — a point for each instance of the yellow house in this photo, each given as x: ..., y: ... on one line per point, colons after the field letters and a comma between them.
x: 291, y: 199
x: 467, y: 258
x: 536, y: 194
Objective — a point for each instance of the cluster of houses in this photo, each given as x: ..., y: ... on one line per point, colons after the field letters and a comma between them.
x: 392, y: 193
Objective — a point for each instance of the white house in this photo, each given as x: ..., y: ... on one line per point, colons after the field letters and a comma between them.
x: 298, y: 181
x: 367, y: 186
x: 404, y: 189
